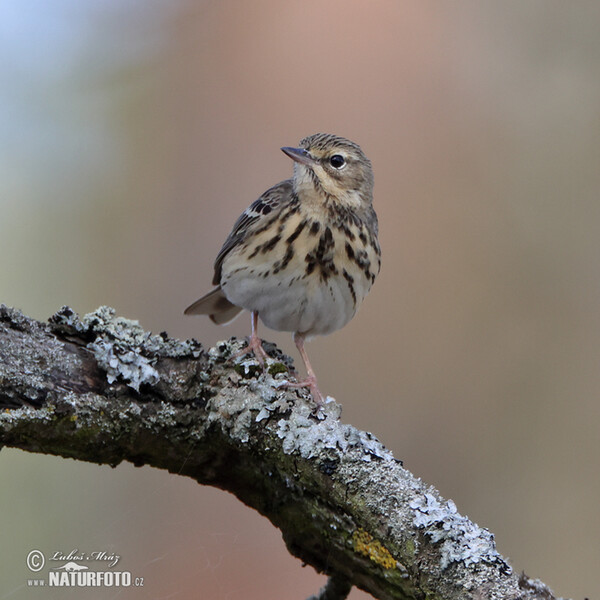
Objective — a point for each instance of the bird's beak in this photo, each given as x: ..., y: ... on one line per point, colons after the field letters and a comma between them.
x: 300, y: 155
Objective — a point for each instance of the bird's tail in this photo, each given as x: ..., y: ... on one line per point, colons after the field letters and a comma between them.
x: 216, y: 305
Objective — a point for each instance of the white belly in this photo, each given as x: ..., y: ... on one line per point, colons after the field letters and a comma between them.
x: 303, y: 305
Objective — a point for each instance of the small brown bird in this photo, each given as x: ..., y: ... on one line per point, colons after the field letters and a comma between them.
x: 305, y: 254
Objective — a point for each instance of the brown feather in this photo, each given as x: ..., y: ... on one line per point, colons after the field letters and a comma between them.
x: 216, y: 305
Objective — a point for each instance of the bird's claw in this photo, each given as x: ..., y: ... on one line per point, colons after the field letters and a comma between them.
x: 254, y: 347
x: 311, y: 383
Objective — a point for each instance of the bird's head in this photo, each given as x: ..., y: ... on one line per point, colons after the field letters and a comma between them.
x: 332, y: 166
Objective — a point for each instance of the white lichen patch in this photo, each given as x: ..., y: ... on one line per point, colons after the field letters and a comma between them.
x: 89, y: 410
x: 131, y: 411
x: 121, y: 346
x: 277, y: 406
x: 235, y: 410
x: 224, y: 349
x: 166, y: 415
x: 302, y: 434
x: 264, y: 388
x: 67, y: 318
x: 264, y: 413
x: 539, y: 588
x: 15, y: 416
x: 129, y: 366
x: 461, y: 539
x: 104, y: 321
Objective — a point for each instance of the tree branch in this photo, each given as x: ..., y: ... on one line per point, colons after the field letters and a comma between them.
x: 103, y: 390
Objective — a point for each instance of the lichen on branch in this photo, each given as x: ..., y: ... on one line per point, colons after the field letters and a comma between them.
x: 102, y: 389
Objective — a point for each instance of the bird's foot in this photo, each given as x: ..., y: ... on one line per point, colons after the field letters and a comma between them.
x: 311, y: 383
x: 254, y: 347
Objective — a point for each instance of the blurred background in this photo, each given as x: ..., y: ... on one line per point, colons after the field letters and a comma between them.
x: 134, y: 132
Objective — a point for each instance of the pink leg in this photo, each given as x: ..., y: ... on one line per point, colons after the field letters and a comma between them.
x: 254, y: 344
x: 311, y: 381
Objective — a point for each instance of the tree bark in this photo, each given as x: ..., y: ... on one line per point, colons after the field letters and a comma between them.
x: 103, y: 390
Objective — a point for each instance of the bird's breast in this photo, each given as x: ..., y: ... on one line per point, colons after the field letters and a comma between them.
x: 305, y: 272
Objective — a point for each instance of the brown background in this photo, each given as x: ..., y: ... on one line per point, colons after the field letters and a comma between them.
x: 136, y: 132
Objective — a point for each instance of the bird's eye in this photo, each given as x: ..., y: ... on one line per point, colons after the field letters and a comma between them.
x: 337, y: 161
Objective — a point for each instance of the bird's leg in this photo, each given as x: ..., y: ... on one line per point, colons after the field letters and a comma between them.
x: 254, y: 344
x: 311, y: 381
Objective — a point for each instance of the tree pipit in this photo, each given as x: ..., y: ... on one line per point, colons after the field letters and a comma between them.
x: 304, y: 255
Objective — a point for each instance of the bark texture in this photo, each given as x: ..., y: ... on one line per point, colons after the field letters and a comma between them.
x: 103, y: 390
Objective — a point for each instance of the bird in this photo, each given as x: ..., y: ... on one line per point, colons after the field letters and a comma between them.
x: 304, y: 255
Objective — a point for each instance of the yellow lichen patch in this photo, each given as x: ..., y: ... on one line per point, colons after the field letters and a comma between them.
x: 364, y: 544
x: 73, y: 418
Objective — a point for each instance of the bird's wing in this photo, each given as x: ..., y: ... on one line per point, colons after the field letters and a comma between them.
x: 215, y: 303
x: 251, y: 219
